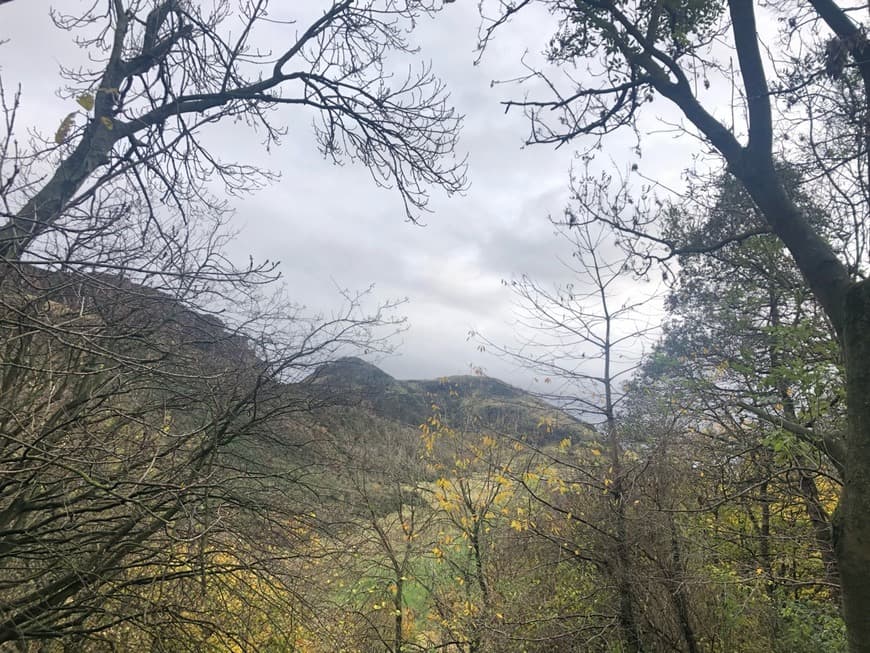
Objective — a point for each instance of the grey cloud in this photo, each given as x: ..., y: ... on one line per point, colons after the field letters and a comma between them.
x: 331, y: 225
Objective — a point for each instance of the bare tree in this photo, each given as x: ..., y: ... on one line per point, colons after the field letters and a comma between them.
x: 587, y: 342
x: 166, y: 70
x: 138, y: 446
x: 151, y: 437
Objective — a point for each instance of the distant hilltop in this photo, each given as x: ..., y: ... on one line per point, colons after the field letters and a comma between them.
x: 464, y: 402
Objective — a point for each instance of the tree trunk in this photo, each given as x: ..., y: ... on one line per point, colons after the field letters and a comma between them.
x: 624, y: 587
x: 765, y: 554
x: 821, y: 522
x: 852, y: 519
x: 678, y: 593
x: 398, y: 603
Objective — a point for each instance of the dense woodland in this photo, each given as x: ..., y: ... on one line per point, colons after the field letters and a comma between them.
x: 190, y: 461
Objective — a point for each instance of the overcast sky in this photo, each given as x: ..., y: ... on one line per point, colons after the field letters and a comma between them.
x: 330, y: 226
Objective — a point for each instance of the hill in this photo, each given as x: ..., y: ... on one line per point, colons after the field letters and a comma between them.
x: 466, y: 402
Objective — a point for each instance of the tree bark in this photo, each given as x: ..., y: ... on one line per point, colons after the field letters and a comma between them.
x: 852, y: 519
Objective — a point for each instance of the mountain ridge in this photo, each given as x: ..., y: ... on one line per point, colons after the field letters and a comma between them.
x: 465, y: 402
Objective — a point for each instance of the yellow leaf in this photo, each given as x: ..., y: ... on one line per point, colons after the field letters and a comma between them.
x: 66, y: 126
x: 86, y: 101
x: 107, y: 123
x: 595, y: 452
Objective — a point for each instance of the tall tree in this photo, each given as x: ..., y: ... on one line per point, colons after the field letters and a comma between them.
x: 148, y: 423
x: 585, y: 343
x: 635, y: 52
